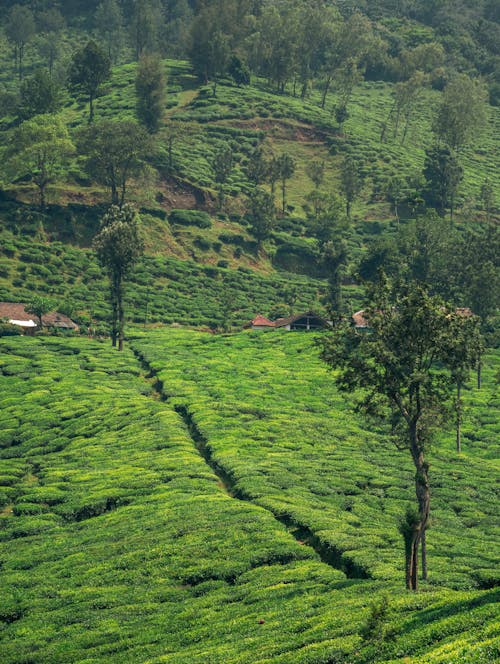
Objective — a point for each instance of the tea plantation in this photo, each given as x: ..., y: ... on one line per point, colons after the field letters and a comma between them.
x: 213, y: 499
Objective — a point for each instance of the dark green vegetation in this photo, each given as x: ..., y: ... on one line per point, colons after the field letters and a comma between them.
x: 119, y: 543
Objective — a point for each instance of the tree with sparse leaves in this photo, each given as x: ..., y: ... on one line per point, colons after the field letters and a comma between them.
x: 286, y: 169
x: 351, y: 182
x: 404, y: 367
x: 109, y: 27
x: 118, y: 245
x: 222, y: 166
x: 20, y: 29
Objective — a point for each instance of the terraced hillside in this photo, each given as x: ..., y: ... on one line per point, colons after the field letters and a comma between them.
x: 214, y: 500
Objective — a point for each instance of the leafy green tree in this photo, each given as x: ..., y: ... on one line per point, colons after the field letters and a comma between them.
x: 150, y: 88
x: 51, y: 24
x: 90, y: 68
x: 478, y: 273
x: 351, y: 182
x: 273, y: 173
x: 403, y: 367
x: 462, y: 112
x: 118, y: 245
x: 20, y: 29
x: 209, y: 50
x: 261, y: 214
x: 39, y: 306
x: 222, y: 166
x: 286, y: 169
x: 315, y: 171
x: 39, y: 150
x: 443, y: 174
x: 109, y: 27
x: 257, y: 166
x: 346, y: 46
x: 39, y: 94
x: 147, y: 19
x: 238, y: 70
x: 397, y: 191
x: 115, y: 152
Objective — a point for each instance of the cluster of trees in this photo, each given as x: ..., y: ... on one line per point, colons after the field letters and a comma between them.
x: 112, y: 153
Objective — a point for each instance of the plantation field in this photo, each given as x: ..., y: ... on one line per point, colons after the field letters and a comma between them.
x: 288, y: 441
x: 165, y: 289
x: 223, y: 523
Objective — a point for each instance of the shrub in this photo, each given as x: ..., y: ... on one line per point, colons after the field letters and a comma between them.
x: 9, y: 330
x: 190, y: 218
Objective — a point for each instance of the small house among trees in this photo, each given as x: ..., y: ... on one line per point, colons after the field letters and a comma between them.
x: 16, y: 314
x: 305, y: 321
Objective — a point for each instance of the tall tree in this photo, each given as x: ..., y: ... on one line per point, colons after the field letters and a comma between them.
x: 39, y: 94
x: 109, y: 28
x: 209, y: 49
x: 150, y: 88
x: 90, y: 68
x: 286, y: 169
x: 351, y: 182
x: 261, y: 214
x: 147, y: 19
x: 404, y: 365
x: 462, y: 112
x: 330, y: 227
x: 115, y: 152
x: 51, y: 24
x: 443, y: 174
x: 222, y: 166
x: 20, y: 29
x: 39, y: 150
x: 118, y: 246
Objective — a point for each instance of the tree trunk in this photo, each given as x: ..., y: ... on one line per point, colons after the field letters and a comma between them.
x: 91, y: 108
x: 114, y: 194
x: 42, y: 197
x: 479, y: 367
x: 422, y: 491
x: 121, y: 316
x: 325, y: 91
x: 424, y: 554
x: 283, y: 191
x: 114, y: 311
x: 459, y: 417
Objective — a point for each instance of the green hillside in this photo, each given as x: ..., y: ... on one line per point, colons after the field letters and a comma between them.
x: 174, y: 487
x: 250, y: 537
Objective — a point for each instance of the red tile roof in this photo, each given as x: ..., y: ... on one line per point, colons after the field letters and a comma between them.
x: 262, y: 321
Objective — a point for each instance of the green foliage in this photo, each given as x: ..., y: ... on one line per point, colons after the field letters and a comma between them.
x: 150, y: 90
x: 118, y: 246
x: 39, y: 305
x: 39, y: 94
x: 90, y: 68
x: 197, y: 218
x: 261, y: 214
x: 39, y: 150
x: 115, y: 152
